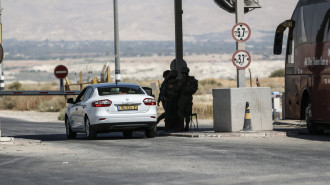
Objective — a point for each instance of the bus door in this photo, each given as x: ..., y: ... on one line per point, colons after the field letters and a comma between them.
x: 317, y: 35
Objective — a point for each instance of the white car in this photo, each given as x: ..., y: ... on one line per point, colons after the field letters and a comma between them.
x: 107, y: 107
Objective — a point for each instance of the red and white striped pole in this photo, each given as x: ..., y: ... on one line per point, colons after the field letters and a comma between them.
x: 258, y: 83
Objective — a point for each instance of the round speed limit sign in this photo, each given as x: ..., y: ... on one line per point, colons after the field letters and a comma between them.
x: 241, y: 59
x: 241, y: 32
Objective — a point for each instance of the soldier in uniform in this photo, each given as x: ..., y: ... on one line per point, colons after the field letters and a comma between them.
x: 161, y: 97
x: 171, y: 97
x: 188, y: 86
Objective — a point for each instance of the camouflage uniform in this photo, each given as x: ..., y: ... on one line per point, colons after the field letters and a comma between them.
x: 171, y: 94
x: 161, y: 97
x: 188, y: 86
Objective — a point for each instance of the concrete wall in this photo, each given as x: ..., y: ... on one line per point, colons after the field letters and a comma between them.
x: 229, y: 108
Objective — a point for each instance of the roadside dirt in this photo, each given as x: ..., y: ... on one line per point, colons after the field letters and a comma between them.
x: 31, y: 115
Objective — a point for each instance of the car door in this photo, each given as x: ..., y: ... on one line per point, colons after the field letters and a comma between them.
x: 74, y: 111
x: 82, y: 106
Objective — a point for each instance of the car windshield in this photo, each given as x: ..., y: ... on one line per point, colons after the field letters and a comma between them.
x: 104, y: 91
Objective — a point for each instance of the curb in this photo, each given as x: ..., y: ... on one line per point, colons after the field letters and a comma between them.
x: 289, y: 122
x: 6, y: 140
x: 223, y: 134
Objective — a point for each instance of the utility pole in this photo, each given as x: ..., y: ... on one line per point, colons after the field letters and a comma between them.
x: 2, y: 78
x: 178, y: 35
x: 116, y: 33
x: 240, y: 45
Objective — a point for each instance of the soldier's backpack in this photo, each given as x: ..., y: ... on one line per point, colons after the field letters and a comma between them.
x: 191, y: 86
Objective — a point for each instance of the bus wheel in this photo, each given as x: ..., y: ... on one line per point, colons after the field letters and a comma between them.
x: 312, y: 127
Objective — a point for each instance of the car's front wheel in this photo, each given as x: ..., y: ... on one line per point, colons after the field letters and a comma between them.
x: 90, y: 132
x: 69, y: 133
x: 151, y: 131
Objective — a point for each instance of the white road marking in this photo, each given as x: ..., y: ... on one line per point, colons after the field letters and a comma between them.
x: 12, y: 161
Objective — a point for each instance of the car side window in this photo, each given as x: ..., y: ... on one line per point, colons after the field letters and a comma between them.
x: 88, y: 94
x: 81, y: 95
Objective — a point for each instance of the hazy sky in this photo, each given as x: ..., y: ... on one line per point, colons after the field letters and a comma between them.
x: 138, y: 19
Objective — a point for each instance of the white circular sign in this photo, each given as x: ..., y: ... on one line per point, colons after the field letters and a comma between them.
x: 241, y: 32
x: 241, y: 59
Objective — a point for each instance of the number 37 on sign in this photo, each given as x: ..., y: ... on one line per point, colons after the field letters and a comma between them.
x: 241, y: 59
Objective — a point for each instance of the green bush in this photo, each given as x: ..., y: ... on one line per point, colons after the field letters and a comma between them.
x: 15, y: 86
x: 278, y: 73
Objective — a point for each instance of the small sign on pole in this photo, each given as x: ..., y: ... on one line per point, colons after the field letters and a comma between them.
x: 241, y: 59
x: 61, y: 72
x: 241, y: 32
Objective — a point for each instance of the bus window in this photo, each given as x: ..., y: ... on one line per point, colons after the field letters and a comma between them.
x: 290, y: 51
x: 328, y: 33
x: 293, y: 37
x: 301, y: 31
x: 321, y: 22
x: 308, y: 17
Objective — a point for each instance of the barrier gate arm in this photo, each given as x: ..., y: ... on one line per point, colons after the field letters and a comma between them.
x: 31, y: 93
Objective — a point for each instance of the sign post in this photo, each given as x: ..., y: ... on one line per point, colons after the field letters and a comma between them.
x: 61, y: 72
x: 116, y: 35
x: 240, y: 45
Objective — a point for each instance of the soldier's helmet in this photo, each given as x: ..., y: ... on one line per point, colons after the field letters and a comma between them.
x: 185, y: 70
x: 174, y: 73
x: 165, y: 73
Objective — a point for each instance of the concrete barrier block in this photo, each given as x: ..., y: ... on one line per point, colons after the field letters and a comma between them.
x: 229, y: 108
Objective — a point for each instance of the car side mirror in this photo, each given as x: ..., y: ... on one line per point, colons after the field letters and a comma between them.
x: 70, y: 101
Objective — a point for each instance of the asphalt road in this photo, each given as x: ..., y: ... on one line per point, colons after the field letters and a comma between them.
x: 297, y: 159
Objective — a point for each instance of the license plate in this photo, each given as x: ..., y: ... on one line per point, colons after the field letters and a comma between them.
x: 127, y: 107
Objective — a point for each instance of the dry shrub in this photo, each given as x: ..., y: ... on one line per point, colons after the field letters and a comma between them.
x: 26, y: 103
x: 17, y: 86
x: 7, y: 103
x: 276, y: 83
x: 54, y: 104
x: 203, y: 110
x: 142, y: 83
x: 61, y: 115
x: 206, y: 86
x: 278, y: 73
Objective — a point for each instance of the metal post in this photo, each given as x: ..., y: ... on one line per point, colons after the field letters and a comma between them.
x: 250, y: 77
x: 178, y: 34
x: 61, y: 85
x: 117, y: 52
x: 108, y: 72
x: 240, y: 45
x: 2, y: 78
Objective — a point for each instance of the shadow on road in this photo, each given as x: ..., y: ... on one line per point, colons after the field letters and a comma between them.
x: 80, y: 137
x: 44, y: 137
x: 302, y: 133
